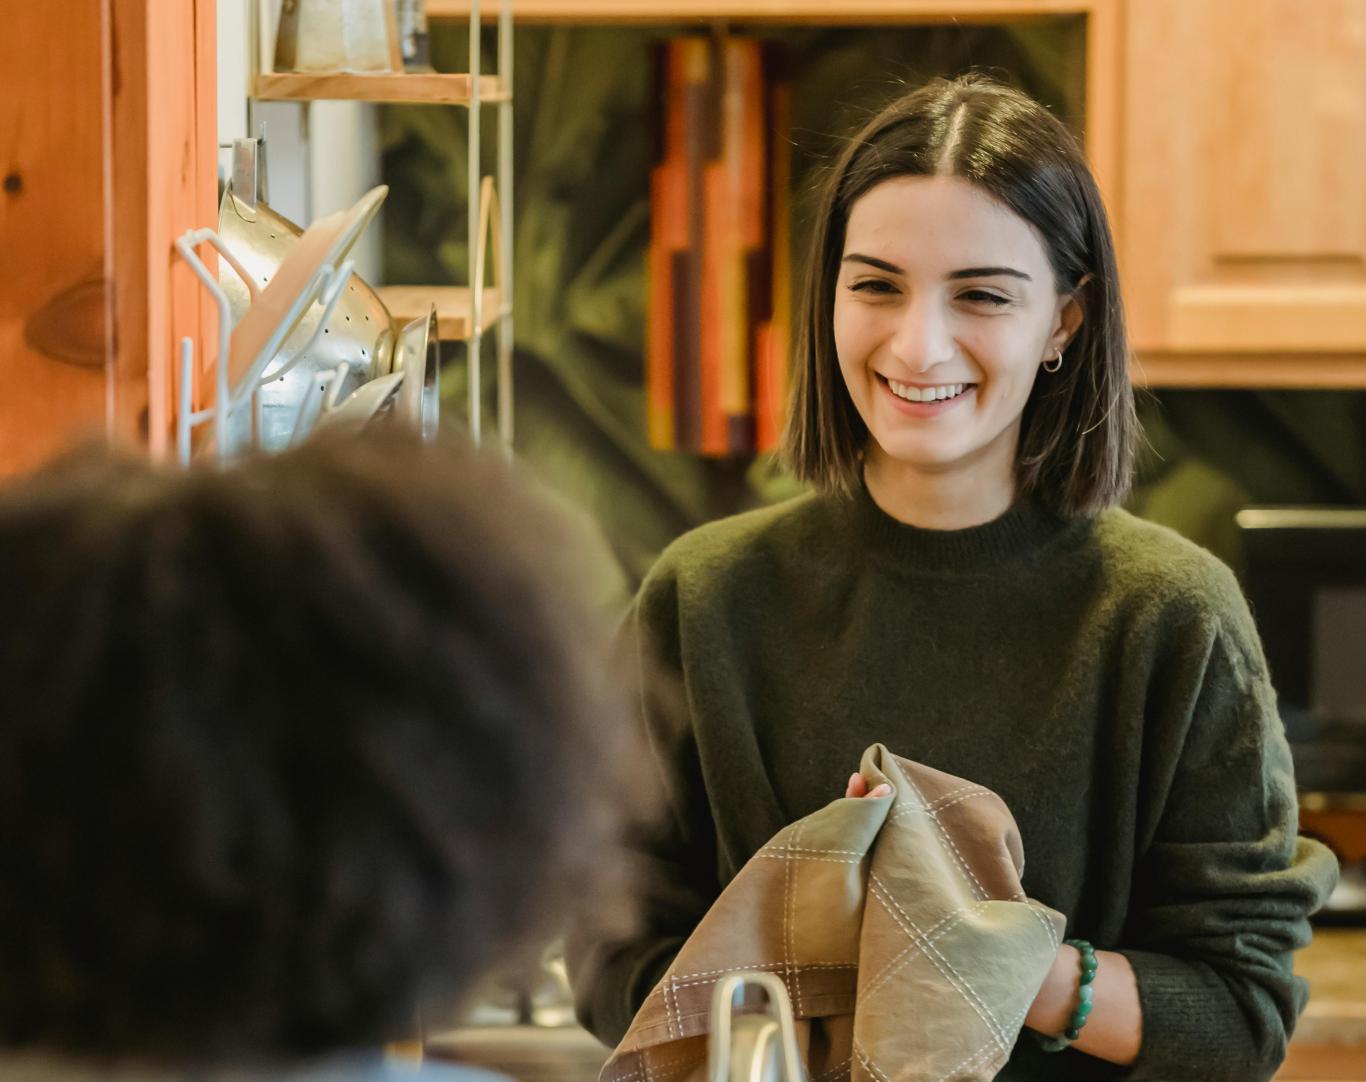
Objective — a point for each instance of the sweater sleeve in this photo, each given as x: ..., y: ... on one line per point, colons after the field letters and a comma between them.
x: 677, y: 871
x: 1225, y: 888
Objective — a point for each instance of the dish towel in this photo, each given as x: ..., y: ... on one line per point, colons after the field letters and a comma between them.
x: 898, y: 926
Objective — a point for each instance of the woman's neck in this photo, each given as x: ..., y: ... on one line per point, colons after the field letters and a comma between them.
x: 954, y: 499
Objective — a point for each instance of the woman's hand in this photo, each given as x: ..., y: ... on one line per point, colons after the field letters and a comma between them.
x: 1114, y: 1031
x: 858, y: 787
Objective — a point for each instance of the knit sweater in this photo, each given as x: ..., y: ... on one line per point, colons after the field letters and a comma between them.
x: 1101, y: 674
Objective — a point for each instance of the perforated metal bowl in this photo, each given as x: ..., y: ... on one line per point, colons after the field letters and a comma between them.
x: 361, y: 333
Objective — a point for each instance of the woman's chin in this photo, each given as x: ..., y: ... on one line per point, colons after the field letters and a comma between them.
x: 919, y: 456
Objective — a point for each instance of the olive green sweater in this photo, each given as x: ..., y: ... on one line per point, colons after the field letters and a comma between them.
x: 1102, y: 675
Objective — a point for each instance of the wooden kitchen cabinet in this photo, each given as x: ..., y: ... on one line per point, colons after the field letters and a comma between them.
x: 53, y: 334
x: 1242, y: 220
x: 108, y: 112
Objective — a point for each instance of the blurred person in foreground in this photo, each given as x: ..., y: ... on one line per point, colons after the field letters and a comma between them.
x: 289, y: 753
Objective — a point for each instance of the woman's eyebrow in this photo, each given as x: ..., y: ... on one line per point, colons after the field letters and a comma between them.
x: 966, y: 272
x: 873, y: 261
x: 988, y: 272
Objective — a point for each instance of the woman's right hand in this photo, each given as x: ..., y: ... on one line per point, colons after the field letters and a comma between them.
x: 858, y: 787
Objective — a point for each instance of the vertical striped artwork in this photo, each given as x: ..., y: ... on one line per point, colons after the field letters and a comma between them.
x: 719, y: 307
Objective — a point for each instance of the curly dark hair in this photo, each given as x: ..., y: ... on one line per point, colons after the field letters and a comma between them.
x: 288, y: 749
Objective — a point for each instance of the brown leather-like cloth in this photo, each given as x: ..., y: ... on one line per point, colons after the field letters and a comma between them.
x: 898, y: 926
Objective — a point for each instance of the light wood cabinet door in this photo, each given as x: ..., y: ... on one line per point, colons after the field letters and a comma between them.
x: 54, y: 335
x: 1243, y: 221
x: 107, y: 154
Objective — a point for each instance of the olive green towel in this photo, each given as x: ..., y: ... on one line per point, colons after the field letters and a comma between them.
x: 898, y: 926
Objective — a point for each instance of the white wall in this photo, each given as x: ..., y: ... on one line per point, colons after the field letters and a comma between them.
x: 344, y: 147
x: 234, y: 68
x: 321, y: 157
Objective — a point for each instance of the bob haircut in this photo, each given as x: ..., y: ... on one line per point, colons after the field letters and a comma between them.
x: 1079, y: 426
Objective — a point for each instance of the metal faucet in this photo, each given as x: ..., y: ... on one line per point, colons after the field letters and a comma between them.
x: 749, y: 1046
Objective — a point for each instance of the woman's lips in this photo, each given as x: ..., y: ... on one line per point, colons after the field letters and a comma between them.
x: 925, y: 409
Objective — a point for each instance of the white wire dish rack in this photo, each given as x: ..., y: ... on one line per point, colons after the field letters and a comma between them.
x: 465, y: 313
x: 302, y: 343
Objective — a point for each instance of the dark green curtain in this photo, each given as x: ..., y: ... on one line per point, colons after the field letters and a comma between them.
x: 585, y: 130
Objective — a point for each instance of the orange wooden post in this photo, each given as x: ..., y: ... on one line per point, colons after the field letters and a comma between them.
x: 164, y: 183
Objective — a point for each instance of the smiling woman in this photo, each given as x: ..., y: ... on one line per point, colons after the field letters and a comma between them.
x: 946, y: 309
x: 962, y: 239
x: 963, y: 589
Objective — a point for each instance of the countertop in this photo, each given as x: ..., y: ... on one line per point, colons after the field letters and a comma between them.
x: 526, y: 1053
x: 1334, y: 964
x: 1330, y: 1041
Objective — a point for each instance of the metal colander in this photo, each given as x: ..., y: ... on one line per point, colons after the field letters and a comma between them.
x: 362, y: 335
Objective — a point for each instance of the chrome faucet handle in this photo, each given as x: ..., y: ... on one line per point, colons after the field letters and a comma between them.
x: 752, y: 1047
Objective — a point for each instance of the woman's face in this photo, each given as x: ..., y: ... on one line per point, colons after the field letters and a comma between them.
x: 944, y: 310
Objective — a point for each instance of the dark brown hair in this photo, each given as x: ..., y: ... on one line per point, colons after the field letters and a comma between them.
x: 1079, y: 426
x: 290, y: 748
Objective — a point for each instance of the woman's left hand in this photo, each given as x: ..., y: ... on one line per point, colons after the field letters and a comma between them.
x: 1115, y: 1030
x: 858, y: 787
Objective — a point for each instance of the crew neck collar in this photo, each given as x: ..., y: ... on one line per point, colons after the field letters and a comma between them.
x: 1027, y: 526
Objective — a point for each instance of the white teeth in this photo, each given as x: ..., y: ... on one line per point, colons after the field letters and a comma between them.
x: 926, y: 394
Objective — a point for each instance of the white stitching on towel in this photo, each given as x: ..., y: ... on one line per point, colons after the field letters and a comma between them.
x: 825, y: 860
x: 984, y: 1052
x: 673, y: 990
x: 963, y: 988
x: 665, y: 1066
x: 943, y: 834
x: 835, y: 1071
x: 933, y: 808
x: 930, y: 946
x: 962, y: 862
x: 675, y: 1067
x: 976, y: 790
x: 712, y: 975
x: 912, y: 948
x: 934, y: 956
x: 803, y: 849
x: 946, y: 800
x: 1048, y: 928
x: 871, y: 1067
x: 1040, y: 914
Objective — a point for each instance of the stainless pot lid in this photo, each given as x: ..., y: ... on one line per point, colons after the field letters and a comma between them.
x: 419, y: 358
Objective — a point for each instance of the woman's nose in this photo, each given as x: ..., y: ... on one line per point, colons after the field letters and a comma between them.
x: 922, y: 338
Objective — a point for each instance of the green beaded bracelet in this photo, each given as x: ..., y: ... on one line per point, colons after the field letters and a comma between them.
x: 1085, y: 992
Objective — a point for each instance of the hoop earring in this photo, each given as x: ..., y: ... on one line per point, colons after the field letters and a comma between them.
x: 1054, y: 364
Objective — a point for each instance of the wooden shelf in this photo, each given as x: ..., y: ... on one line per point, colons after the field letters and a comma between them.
x: 407, y: 303
x: 841, y: 12
x: 415, y: 88
x: 1288, y: 371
